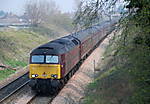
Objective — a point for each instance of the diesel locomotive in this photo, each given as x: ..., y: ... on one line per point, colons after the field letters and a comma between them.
x: 53, y: 63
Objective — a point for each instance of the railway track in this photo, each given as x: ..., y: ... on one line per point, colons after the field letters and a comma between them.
x: 41, y: 100
x: 13, y: 87
x: 18, y: 92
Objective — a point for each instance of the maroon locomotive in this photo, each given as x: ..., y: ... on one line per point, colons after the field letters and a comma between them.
x: 53, y: 63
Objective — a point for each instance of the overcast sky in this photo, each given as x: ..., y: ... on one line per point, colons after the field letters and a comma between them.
x: 17, y: 6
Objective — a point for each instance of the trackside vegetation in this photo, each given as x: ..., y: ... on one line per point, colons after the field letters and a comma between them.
x: 125, y: 78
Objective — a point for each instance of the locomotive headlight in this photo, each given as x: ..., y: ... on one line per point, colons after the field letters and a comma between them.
x: 34, y: 75
x: 54, y: 75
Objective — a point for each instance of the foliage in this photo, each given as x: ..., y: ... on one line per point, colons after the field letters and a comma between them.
x: 134, y: 50
x: 110, y: 88
x: 140, y: 4
x: 132, y: 55
x: 93, y: 11
x: 86, y: 14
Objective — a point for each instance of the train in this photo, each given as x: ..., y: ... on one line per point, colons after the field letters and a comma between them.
x: 52, y: 64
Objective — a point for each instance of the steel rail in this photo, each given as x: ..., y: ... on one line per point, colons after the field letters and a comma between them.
x: 14, y: 91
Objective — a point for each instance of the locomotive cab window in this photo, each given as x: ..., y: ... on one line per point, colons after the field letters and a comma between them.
x: 37, y: 59
x: 51, y: 59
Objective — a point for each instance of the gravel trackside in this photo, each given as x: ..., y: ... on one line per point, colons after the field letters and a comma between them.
x: 74, y: 90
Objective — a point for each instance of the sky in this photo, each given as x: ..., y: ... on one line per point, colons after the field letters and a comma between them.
x: 17, y: 6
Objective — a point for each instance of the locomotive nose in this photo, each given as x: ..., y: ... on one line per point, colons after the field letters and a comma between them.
x: 45, y: 71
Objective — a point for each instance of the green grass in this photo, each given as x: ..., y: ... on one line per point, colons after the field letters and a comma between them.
x: 5, y: 73
x: 14, y: 63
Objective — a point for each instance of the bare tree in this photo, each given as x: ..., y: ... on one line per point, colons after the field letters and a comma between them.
x: 92, y: 11
x: 38, y: 11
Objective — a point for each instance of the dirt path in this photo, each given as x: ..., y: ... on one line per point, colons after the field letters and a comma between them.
x: 74, y: 90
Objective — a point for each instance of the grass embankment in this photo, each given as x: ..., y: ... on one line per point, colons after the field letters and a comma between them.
x: 15, y: 47
x: 125, y: 77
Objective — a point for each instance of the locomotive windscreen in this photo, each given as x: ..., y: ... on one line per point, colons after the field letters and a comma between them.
x: 48, y: 59
x: 51, y: 59
x: 37, y: 59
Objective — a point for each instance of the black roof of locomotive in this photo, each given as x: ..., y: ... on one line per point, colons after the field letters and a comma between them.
x: 58, y: 46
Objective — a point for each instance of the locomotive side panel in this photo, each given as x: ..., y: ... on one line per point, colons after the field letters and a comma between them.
x: 71, y: 59
x: 63, y: 65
